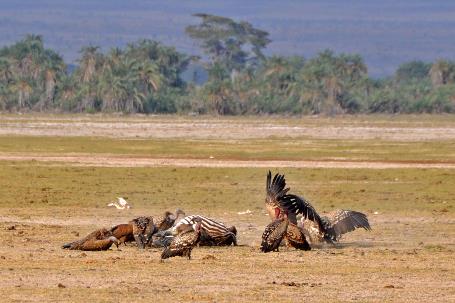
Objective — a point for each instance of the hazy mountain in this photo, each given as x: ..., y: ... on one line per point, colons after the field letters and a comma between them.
x: 386, y: 33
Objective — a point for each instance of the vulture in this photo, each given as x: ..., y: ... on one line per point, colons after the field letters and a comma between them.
x: 281, y: 229
x: 274, y: 234
x: 275, y: 190
x: 100, y: 239
x: 336, y: 224
x: 295, y: 237
x: 283, y: 209
x: 277, y: 201
x: 167, y: 220
x: 328, y: 228
x: 162, y: 238
x: 185, y: 241
x: 143, y: 229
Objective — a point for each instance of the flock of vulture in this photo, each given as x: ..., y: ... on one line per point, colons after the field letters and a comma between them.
x: 295, y: 223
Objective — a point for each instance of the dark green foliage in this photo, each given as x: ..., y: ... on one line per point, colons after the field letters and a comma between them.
x: 233, y: 45
x: 144, y: 77
x: 29, y: 75
x: 413, y: 70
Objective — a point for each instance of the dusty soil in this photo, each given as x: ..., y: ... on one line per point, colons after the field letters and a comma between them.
x: 403, y: 259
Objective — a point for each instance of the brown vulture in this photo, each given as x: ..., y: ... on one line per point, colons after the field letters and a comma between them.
x: 281, y: 229
x: 295, y: 237
x: 185, y: 241
x: 336, y: 224
x: 101, y: 239
x: 274, y: 234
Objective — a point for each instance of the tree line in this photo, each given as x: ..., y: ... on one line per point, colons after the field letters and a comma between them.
x: 146, y: 77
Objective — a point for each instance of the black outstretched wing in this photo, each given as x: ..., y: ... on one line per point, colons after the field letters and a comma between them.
x: 343, y: 221
x: 275, y: 188
x: 298, y: 205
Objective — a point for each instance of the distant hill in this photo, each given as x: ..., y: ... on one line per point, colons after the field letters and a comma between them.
x: 386, y: 33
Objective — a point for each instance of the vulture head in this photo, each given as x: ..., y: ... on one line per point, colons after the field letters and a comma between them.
x: 197, y: 224
x: 169, y: 217
x: 179, y: 212
x: 233, y: 230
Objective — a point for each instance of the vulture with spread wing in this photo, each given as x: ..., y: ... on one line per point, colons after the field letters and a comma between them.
x: 100, y: 239
x: 275, y: 190
x: 283, y: 208
x: 336, y: 224
x: 278, y: 201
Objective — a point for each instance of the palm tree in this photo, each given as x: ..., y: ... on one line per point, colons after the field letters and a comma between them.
x: 53, y: 68
x: 6, y: 74
x: 88, y: 63
x: 4, y: 95
x: 23, y: 89
x: 149, y: 75
x: 441, y: 72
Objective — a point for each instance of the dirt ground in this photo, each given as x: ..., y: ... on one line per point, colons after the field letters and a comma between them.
x: 404, y: 259
x: 407, y: 257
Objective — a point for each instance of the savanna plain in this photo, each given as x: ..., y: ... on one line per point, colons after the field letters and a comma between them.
x: 58, y: 173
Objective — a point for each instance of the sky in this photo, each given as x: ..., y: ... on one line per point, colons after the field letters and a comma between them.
x: 385, y: 33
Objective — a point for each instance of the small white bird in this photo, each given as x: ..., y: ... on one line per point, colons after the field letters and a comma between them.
x: 120, y: 204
